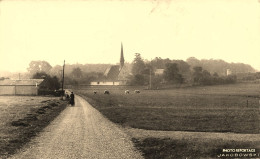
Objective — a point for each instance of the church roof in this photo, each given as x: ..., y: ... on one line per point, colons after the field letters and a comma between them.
x: 112, y: 72
x: 116, y: 72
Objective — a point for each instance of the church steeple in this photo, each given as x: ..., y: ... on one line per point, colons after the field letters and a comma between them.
x: 122, y: 60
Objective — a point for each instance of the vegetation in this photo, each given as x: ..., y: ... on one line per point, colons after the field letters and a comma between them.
x: 181, y: 72
x: 138, y: 65
x: 220, y: 66
x: 140, y: 70
x: 230, y: 108
x: 203, y: 77
x: 24, y: 120
x: 172, y: 74
x: 39, y: 66
x: 176, y: 72
x: 154, y: 148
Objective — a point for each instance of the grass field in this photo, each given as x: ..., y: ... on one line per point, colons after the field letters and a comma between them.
x: 226, y: 108
x: 22, y: 117
x: 166, y: 148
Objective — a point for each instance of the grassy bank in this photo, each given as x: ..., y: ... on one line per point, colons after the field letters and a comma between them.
x: 22, y: 117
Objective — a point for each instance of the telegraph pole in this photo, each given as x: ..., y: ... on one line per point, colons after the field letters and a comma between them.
x: 62, y: 84
x: 150, y: 81
x: 150, y: 78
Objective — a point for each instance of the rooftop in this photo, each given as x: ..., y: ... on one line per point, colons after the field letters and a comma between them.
x: 23, y: 82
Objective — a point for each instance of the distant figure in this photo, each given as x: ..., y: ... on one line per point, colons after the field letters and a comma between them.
x: 72, y: 102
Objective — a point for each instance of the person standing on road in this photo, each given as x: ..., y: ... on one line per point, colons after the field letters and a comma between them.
x: 72, y: 102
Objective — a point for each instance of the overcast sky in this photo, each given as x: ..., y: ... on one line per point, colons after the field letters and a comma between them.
x: 92, y: 31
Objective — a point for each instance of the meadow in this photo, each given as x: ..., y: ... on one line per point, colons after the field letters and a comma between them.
x: 22, y: 117
x: 223, y: 108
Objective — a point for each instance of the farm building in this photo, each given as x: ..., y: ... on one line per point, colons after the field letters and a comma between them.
x: 114, y: 75
x: 20, y: 87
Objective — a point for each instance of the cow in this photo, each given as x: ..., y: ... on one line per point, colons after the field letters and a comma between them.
x: 95, y: 92
x: 106, y: 92
x: 137, y: 91
x: 127, y: 91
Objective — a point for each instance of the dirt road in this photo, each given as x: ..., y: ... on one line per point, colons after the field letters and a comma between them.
x: 80, y: 132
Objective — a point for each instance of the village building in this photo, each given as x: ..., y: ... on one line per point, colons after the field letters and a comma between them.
x: 20, y: 87
x: 158, y: 72
x: 115, y: 74
x: 229, y: 72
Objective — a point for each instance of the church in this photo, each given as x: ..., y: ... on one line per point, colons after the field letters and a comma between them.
x: 115, y: 74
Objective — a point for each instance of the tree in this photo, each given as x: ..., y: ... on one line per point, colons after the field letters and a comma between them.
x: 39, y: 66
x: 197, y: 75
x: 183, y: 66
x: 50, y: 83
x: 138, y: 64
x: 76, y: 73
x: 220, y: 66
x: 57, y: 71
x: 160, y: 63
x: 171, y: 73
x: 194, y: 62
x: 137, y: 80
x: 215, y: 74
x: 157, y: 82
x: 206, y: 78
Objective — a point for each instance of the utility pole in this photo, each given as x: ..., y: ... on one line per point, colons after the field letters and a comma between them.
x: 62, y: 84
x: 150, y: 74
x: 150, y: 78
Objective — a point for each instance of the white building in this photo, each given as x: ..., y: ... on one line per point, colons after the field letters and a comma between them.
x: 20, y: 87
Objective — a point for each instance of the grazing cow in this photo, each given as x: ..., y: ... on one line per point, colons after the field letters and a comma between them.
x: 95, y: 92
x: 137, y: 91
x: 106, y: 92
x: 127, y: 91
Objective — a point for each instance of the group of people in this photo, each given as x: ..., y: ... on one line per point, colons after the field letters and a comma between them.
x: 71, y: 98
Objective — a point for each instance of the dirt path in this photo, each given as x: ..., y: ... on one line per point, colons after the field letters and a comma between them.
x: 80, y: 132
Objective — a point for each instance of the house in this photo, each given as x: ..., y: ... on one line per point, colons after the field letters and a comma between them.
x: 115, y: 74
x: 159, y: 72
x: 229, y: 72
x: 20, y: 87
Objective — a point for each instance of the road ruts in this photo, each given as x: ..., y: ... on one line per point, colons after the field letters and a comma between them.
x: 80, y: 132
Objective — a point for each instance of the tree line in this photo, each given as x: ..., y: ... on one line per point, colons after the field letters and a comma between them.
x: 142, y: 72
x: 176, y: 72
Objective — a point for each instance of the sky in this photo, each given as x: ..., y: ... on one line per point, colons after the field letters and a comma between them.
x: 91, y: 31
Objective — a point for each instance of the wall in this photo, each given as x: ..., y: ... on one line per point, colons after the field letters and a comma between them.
x: 18, y: 90
x: 7, y: 90
x: 26, y: 90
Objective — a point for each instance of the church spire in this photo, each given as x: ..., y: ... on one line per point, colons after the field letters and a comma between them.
x: 122, y: 60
